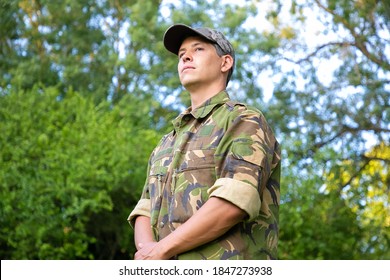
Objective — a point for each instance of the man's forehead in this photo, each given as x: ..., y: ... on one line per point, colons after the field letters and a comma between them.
x: 192, y: 41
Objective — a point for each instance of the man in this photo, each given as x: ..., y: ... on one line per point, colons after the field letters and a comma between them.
x: 212, y: 190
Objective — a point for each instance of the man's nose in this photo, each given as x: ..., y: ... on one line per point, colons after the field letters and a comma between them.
x: 186, y: 57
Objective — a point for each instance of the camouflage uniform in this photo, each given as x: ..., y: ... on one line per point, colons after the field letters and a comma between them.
x: 223, y: 149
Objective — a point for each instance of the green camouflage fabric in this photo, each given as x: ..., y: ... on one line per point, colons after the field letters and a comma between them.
x: 224, y: 149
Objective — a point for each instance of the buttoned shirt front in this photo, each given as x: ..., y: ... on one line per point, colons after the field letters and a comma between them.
x: 223, y: 149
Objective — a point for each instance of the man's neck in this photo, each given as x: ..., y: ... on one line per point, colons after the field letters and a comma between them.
x: 200, y: 95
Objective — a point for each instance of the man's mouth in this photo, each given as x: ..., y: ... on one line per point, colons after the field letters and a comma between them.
x: 187, y: 68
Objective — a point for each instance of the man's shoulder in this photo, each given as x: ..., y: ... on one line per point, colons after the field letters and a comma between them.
x: 242, y: 108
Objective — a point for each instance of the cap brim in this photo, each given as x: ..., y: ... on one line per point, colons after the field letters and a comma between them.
x: 175, y: 35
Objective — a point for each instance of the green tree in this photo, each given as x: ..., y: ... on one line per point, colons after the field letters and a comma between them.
x: 69, y: 173
x: 56, y: 43
x: 331, y: 103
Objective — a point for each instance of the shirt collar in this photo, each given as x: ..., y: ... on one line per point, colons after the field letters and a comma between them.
x: 203, y: 110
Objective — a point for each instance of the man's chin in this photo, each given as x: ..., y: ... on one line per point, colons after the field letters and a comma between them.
x: 189, y: 83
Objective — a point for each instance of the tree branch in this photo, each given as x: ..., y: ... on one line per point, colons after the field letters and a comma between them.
x: 359, y: 40
x: 353, y: 176
x: 347, y: 129
x: 317, y: 50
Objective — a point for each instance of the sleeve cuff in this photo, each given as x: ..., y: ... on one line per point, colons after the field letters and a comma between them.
x: 141, y: 209
x: 239, y: 193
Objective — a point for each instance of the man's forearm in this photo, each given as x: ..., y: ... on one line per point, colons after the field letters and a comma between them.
x: 211, y: 221
x: 142, y: 231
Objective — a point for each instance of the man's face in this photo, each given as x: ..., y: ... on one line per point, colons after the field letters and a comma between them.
x: 199, y: 63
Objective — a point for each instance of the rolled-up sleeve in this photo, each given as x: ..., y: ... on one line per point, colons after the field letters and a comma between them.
x: 141, y: 209
x: 239, y: 193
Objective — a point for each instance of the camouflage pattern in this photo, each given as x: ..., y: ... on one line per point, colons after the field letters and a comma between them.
x: 175, y: 35
x: 220, y: 147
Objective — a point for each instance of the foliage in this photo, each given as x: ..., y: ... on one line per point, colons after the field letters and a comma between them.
x: 334, y: 119
x: 69, y: 171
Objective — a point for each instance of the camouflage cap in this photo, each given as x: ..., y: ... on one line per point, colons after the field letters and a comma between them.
x: 176, y: 34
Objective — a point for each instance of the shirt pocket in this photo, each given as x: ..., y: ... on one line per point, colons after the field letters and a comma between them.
x: 198, y: 167
x: 157, y: 177
x: 156, y: 180
x: 191, y: 181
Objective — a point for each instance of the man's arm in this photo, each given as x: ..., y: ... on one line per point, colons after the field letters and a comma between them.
x: 211, y: 221
x: 142, y: 231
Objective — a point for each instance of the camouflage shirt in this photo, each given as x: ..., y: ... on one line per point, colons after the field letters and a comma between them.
x: 223, y: 149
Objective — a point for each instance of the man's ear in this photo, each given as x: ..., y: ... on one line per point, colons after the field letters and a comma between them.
x: 227, y: 63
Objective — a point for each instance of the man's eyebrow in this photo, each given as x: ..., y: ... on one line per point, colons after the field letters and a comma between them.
x: 193, y: 45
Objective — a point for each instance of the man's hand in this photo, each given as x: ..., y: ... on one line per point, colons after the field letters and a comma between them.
x: 149, y: 251
x: 212, y: 220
